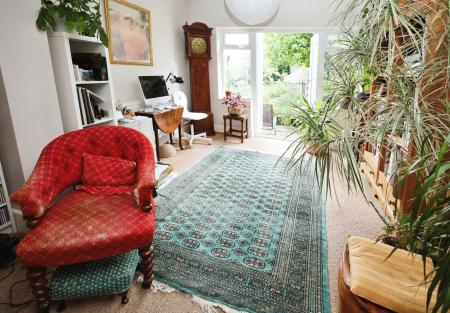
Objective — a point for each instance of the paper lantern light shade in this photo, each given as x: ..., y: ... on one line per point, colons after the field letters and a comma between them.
x: 253, y: 12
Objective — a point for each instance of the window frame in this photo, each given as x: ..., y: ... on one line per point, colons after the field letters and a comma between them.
x: 222, y: 46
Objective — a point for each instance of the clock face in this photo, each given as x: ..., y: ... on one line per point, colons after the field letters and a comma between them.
x: 199, y: 45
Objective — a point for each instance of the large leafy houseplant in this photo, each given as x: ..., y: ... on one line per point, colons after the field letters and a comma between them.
x: 397, y: 43
x: 82, y: 16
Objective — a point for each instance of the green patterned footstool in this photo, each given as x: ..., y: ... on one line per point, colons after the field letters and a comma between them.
x: 107, y: 276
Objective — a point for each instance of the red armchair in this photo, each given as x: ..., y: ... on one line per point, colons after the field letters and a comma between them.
x: 75, y: 226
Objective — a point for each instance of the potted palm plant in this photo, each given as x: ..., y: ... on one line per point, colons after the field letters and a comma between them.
x: 416, y: 104
x: 312, y: 125
x: 83, y: 17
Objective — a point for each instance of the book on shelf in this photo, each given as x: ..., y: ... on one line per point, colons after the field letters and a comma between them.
x: 82, y: 107
x: 95, y: 97
x: 405, y: 140
x: 377, y: 150
x: 93, y: 66
x: 394, y: 159
x: 76, y: 72
x: 87, y: 106
x: 88, y: 102
x: 81, y: 74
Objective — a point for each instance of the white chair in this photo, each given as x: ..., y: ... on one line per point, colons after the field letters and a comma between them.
x: 179, y: 98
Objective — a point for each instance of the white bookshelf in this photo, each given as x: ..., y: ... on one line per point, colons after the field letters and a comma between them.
x: 62, y: 46
x: 7, y: 224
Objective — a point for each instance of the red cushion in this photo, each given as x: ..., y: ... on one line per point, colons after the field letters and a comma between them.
x: 107, y: 171
x: 82, y: 227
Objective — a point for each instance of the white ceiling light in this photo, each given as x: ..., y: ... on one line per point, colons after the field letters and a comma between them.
x: 253, y: 12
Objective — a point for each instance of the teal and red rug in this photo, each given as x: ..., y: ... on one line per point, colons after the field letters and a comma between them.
x: 240, y: 230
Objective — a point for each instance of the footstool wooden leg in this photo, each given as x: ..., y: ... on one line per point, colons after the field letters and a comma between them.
x: 124, y: 296
x: 61, y: 306
x: 39, y: 288
x: 146, y: 254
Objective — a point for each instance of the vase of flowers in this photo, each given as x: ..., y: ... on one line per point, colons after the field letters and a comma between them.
x: 235, y: 104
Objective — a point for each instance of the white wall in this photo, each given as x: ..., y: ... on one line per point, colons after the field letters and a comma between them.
x: 168, y: 17
x: 293, y: 15
x: 30, y: 115
x: 29, y: 87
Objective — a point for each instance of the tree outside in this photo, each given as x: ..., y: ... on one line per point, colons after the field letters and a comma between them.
x: 286, y: 71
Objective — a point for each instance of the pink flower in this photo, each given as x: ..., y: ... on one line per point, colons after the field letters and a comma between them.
x: 235, y: 101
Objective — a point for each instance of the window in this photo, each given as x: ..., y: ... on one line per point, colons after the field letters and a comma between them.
x: 236, y: 63
x: 332, y: 48
x: 236, y: 39
x: 237, y: 71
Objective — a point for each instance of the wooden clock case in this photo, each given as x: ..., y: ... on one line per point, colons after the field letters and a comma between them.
x: 199, y: 75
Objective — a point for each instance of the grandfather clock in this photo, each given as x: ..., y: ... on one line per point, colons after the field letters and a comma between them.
x: 198, y: 51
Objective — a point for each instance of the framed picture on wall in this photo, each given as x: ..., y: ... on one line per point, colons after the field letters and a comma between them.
x: 130, y: 33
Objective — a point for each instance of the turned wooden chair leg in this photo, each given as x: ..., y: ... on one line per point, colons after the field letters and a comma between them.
x: 124, y: 296
x: 61, y: 306
x: 146, y: 254
x: 39, y: 288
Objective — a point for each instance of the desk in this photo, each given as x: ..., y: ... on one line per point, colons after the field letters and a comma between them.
x: 166, y: 121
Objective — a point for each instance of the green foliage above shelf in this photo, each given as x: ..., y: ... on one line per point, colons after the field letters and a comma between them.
x: 81, y: 16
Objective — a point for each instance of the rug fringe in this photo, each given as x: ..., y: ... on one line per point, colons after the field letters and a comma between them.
x: 160, y: 287
x: 210, y: 307
x: 205, y: 305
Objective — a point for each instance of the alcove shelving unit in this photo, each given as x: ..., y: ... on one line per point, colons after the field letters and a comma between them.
x: 379, y: 160
x: 64, y: 48
x: 7, y: 224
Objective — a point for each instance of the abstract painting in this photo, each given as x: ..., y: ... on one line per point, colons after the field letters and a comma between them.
x: 130, y: 33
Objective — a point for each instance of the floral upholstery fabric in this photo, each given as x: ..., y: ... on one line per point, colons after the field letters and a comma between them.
x: 107, y: 171
x: 81, y: 227
x: 107, y: 276
x: 60, y: 165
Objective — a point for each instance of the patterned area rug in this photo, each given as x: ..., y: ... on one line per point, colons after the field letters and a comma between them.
x: 239, y: 230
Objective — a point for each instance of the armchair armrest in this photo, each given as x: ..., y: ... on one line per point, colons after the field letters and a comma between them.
x: 145, y: 184
x: 34, y: 196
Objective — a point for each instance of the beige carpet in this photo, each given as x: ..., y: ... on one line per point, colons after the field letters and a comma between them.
x: 352, y: 216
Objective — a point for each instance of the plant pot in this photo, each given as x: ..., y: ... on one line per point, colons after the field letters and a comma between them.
x: 235, y: 111
x: 388, y: 240
x: 60, y: 25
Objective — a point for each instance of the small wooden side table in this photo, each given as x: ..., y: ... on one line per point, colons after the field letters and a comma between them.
x: 230, y: 133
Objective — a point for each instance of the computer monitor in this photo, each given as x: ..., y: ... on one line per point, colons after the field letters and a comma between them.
x: 154, y: 90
